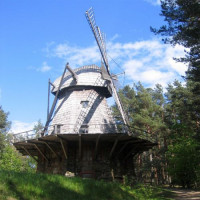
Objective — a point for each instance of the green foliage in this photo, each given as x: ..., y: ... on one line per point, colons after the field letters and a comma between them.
x: 173, y: 121
x: 10, y: 159
x: 31, y: 186
x: 184, y: 160
x: 4, y: 124
x: 183, y: 27
x: 38, y: 128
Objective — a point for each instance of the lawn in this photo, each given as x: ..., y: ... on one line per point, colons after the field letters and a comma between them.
x: 35, y: 186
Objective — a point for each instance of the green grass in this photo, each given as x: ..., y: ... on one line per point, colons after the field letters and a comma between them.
x: 25, y: 186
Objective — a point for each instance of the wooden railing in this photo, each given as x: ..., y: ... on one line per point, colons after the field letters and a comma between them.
x: 85, y: 129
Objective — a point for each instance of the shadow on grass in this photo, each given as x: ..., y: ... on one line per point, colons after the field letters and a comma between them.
x: 12, y: 187
x: 24, y: 186
x: 28, y: 186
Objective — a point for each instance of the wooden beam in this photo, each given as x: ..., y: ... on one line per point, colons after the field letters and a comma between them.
x: 63, y: 147
x: 125, y: 145
x: 29, y: 154
x: 74, y: 75
x: 131, y: 152
x: 49, y: 141
x: 113, y: 147
x: 79, y: 146
x: 35, y: 142
x: 122, y: 148
x: 50, y: 148
x: 96, y: 146
x: 41, y: 152
x: 54, y: 101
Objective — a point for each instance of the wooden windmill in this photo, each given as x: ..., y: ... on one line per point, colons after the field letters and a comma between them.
x: 80, y: 137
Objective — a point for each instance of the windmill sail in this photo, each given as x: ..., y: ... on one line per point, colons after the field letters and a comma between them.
x: 101, y: 44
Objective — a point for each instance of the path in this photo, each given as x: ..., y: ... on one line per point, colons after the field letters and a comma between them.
x: 184, y: 194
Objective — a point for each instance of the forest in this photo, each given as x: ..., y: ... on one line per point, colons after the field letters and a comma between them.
x: 168, y: 116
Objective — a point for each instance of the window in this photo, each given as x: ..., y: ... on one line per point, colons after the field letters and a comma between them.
x: 84, y: 104
x: 83, y: 128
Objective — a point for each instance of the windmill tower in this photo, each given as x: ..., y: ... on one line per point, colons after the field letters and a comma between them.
x: 80, y: 137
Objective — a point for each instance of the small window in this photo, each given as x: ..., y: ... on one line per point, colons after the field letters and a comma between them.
x: 83, y: 128
x: 84, y: 104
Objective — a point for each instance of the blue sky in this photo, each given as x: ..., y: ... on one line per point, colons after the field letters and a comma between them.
x: 37, y: 38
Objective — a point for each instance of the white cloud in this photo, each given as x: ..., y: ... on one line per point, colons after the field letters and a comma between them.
x: 148, y: 61
x: 44, y: 68
x: 76, y: 55
x: 18, y: 126
x: 153, y: 2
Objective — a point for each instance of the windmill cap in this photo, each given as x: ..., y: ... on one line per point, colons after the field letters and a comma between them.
x: 87, y: 77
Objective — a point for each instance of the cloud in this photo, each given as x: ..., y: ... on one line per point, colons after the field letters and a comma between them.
x: 148, y: 61
x: 18, y: 126
x: 153, y: 2
x: 76, y: 55
x: 44, y: 68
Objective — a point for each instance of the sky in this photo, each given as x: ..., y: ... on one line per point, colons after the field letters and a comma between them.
x: 37, y: 38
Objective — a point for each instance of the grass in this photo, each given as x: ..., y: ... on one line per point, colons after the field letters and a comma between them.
x: 25, y: 186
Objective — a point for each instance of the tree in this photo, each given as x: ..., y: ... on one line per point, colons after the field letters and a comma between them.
x: 183, y: 154
x: 38, y: 128
x: 183, y: 158
x: 183, y: 27
x: 10, y: 159
x: 144, y: 108
x: 4, y: 126
x: 173, y: 122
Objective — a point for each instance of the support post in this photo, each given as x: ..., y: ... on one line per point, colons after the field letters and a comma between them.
x: 63, y: 147
x: 113, y: 147
x: 48, y: 99
x: 131, y: 152
x: 96, y: 146
x: 29, y: 154
x: 50, y: 148
x: 55, y: 101
x: 79, y: 146
x: 125, y: 145
x: 41, y: 152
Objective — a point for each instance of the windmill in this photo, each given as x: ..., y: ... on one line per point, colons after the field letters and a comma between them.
x: 81, y: 137
x: 102, y: 47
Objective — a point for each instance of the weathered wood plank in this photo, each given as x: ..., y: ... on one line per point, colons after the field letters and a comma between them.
x: 79, y: 146
x: 96, y: 146
x: 63, y: 147
x: 29, y: 154
x: 41, y: 152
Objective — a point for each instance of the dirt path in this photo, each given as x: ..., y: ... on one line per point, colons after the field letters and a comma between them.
x: 183, y: 194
